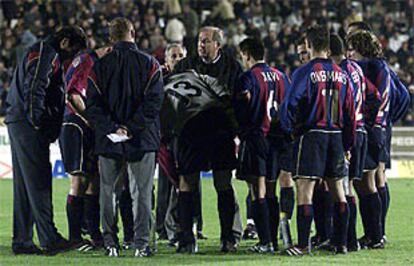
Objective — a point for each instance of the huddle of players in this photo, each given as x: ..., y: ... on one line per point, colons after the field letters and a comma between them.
x: 333, y: 110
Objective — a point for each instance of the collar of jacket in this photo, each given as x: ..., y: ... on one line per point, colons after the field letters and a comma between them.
x: 125, y: 45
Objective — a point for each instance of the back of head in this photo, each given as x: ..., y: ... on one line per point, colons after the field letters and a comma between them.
x: 336, y: 45
x: 318, y: 38
x: 76, y: 36
x: 359, y: 25
x: 120, y: 29
x: 365, y: 43
x: 254, y: 47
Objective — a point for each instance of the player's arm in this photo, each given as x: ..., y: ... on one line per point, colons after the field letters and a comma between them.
x: 149, y: 110
x: 288, y: 109
x: 77, y: 103
x: 41, y: 66
x: 383, y: 85
x: 349, y: 120
x: 400, y: 108
x: 243, y: 87
x: 372, y: 103
x: 97, y: 112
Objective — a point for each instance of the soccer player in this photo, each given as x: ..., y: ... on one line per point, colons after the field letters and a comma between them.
x: 301, y: 50
x: 35, y: 106
x: 399, y: 104
x: 76, y: 144
x: 367, y: 103
x: 320, y: 110
x: 207, y: 142
x: 124, y: 110
x: 257, y: 96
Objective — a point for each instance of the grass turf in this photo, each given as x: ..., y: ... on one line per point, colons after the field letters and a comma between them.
x: 399, y: 251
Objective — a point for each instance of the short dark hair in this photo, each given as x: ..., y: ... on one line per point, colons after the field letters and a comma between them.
x: 365, y: 43
x: 336, y: 45
x: 119, y: 28
x: 254, y: 47
x: 76, y: 35
x: 360, y: 25
x: 318, y: 37
x: 301, y: 40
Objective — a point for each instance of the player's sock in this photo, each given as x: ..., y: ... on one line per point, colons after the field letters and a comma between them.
x: 375, y: 210
x: 287, y: 199
x: 249, y: 207
x: 74, y: 209
x: 185, y: 217
x: 273, y: 206
x: 127, y: 216
x: 319, y: 214
x: 328, y: 214
x: 92, y: 216
x: 388, y: 201
x: 304, y: 221
x: 352, y: 236
x: 226, y: 208
x: 261, y: 220
x: 364, y: 211
x: 340, y: 224
x: 382, y: 191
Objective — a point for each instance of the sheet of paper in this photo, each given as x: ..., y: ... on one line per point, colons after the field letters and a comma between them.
x: 115, y: 138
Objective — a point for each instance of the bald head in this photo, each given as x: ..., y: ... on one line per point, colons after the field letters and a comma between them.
x: 210, y: 40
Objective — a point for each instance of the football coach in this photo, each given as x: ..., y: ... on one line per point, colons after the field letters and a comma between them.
x: 124, y: 98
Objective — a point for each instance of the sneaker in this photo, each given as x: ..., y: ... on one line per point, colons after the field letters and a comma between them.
x: 324, y: 245
x: 376, y: 245
x: 250, y: 232
x: 60, y: 245
x: 173, y: 242
x: 112, y: 252
x: 260, y: 248
x: 33, y: 249
x: 364, y: 242
x: 81, y: 245
x: 295, y: 251
x: 143, y: 252
x: 228, y: 247
x: 385, y: 239
x: 187, y: 248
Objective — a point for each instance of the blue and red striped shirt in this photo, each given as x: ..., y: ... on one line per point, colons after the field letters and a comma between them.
x: 320, y: 97
x: 267, y: 87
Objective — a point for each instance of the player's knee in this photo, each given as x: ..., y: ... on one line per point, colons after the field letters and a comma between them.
x: 77, y: 185
x: 222, y: 180
x: 189, y: 183
x: 285, y: 179
x: 304, y: 191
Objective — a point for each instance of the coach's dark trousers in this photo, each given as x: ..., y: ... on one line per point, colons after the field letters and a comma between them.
x: 32, y: 186
x: 141, y: 178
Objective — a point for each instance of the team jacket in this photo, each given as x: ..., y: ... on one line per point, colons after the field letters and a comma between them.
x: 366, y: 96
x: 37, y: 89
x: 125, y: 89
x: 320, y: 98
x: 76, y: 78
x: 267, y: 87
x: 400, y: 98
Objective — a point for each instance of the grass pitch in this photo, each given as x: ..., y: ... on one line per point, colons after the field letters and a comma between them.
x: 399, y: 251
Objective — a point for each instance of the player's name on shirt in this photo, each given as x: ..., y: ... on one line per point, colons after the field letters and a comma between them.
x: 325, y: 76
x: 270, y: 76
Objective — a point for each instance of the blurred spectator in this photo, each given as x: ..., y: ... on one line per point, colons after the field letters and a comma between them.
x: 175, y: 31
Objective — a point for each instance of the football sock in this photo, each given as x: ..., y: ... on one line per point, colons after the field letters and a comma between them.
x: 127, y: 216
x: 364, y: 211
x: 352, y: 236
x: 319, y: 214
x: 375, y: 212
x: 340, y: 224
x: 273, y: 207
x: 226, y: 207
x: 304, y: 221
x: 328, y: 214
x: 287, y: 199
x: 74, y: 209
x: 249, y: 207
x: 382, y: 191
x: 185, y: 217
x: 261, y: 220
x: 92, y: 216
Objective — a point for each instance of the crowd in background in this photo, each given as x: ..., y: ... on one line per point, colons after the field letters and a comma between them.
x: 158, y: 22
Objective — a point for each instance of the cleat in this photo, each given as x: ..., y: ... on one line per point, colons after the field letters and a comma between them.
x: 127, y: 245
x: 228, y: 247
x: 377, y: 245
x: 340, y: 250
x: 187, y: 249
x: 261, y: 249
x: 19, y: 250
x: 201, y: 236
x: 295, y: 251
x: 61, y: 245
x: 364, y: 242
x: 354, y: 247
x: 324, y: 245
x: 144, y: 252
x: 112, y: 252
x: 250, y: 232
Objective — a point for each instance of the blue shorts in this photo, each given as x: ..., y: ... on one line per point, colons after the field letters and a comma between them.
x: 252, y: 156
x: 320, y: 154
x: 385, y: 156
x: 376, y: 139
x: 280, y: 158
x: 358, y: 155
x: 76, y: 143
